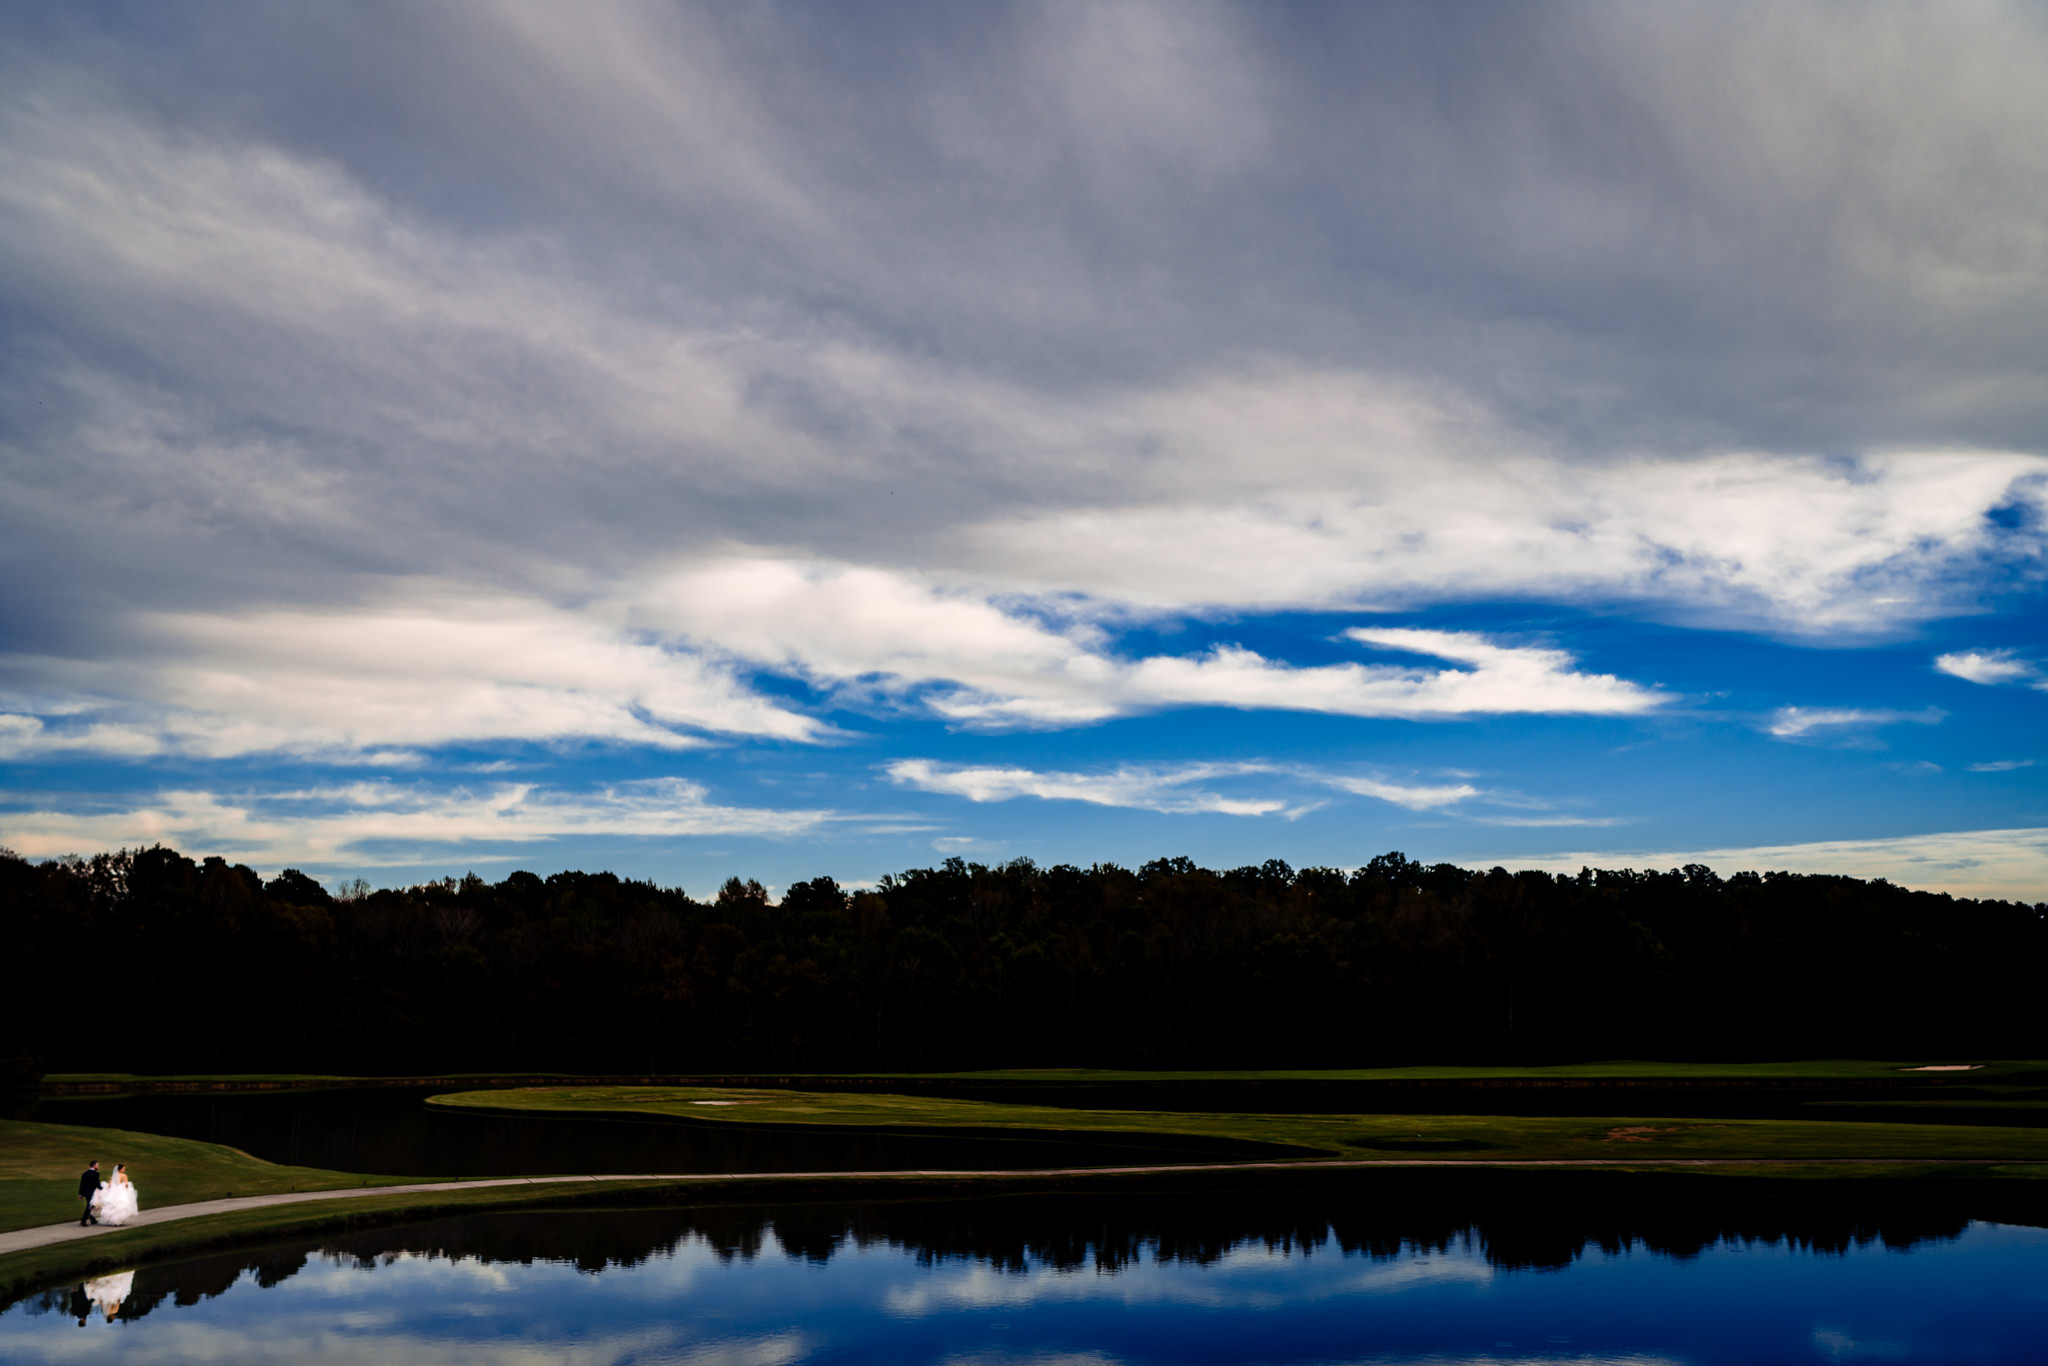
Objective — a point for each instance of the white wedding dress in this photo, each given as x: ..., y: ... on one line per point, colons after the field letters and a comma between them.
x: 116, y: 1202
x: 108, y: 1291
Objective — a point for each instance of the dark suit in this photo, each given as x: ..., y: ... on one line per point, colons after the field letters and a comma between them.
x: 88, y: 1186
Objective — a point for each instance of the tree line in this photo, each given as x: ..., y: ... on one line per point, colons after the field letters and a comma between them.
x: 150, y: 961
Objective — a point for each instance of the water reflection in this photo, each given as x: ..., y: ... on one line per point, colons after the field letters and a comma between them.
x: 1394, y: 1272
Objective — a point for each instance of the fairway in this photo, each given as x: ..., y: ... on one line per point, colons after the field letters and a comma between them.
x: 1933, y: 1075
x: 1469, y: 1137
x: 1814, y: 1069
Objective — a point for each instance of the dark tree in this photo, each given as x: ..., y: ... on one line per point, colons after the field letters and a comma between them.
x: 965, y: 965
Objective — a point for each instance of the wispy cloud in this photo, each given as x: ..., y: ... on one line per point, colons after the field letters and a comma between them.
x: 1990, y: 667
x: 954, y: 846
x: 1414, y: 796
x: 1173, y: 788
x: 2008, y: 864
x: 359, y: 684
x: 1796, y: 544
x: 965, y: 657
x: 668, y: 670
x: 1187, y: 788
x: 1794, y: 723
x: 383, y: 824
x: 2001, y: 765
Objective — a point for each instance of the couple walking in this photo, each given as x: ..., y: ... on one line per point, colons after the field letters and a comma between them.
x: 108, y: 1202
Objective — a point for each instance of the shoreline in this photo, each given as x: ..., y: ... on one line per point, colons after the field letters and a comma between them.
x: 36, y: 1257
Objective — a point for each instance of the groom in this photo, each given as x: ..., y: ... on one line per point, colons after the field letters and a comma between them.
x: 88, y: 1186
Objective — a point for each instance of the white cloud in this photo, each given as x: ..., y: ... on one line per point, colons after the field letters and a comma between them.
x: 2001, y: 765
x: 954, y: 846
x: 864, y: 628
x: 356, y: 684
x: 1416, y: 797
x: 1504, y: 678
x: 1794, y: 723
x: 1175, y: 787
x: 2007, y: 864
x: 382, y: 824
x: 1986, y: 666
x: 433, y: 666
x: 1797, y: 544
x: 1511, y: 681
x: 861, y: 628
x: 1162, y: 788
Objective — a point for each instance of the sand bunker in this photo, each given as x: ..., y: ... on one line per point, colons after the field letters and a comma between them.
x: 1945, y: 1067
x: 1646, y: 1133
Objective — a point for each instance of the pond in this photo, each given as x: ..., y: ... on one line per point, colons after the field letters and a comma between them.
x: 1405, y: 1273
x: 393, y: 1132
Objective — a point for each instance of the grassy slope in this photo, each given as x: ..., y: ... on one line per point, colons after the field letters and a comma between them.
x: 40, y: 1163
x: 1821, y: 1069
x: 274, y: 1078
x: 1457, y: 1136
x: 104, y: 1077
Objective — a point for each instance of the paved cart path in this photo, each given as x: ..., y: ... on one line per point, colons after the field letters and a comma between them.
x: 27, y: 1239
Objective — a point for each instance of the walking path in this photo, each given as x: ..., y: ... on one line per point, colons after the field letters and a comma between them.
x: 27, y: 1239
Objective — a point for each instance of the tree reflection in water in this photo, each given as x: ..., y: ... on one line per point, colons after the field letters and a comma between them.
x: 1515, y: 1221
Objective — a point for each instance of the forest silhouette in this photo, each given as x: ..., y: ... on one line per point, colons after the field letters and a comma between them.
x: 964, y: 965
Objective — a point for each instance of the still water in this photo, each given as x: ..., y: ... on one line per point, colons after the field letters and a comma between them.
x: 1080, y: 1281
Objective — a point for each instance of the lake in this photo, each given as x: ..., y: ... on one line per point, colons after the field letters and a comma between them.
x: 1409, y: 1271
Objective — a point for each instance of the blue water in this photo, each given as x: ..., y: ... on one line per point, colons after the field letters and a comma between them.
x: 663, y: 1289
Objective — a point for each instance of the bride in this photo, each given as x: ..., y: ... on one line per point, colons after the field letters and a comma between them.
x: 116, y: 1202
x: 108, y: 1291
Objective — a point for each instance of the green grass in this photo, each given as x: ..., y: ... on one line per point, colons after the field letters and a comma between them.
x: 281, y: 1078
x: 1822, y: 1069
x: 2021, y: 1108
x: 102, y: 1078
x: 40, y: 1163
x: 1984, y: 1071
x: 1467, y: 1137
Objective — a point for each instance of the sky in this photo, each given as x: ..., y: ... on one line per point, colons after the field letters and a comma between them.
x: 789, y: 440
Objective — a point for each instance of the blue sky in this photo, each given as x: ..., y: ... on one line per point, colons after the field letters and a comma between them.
x: 791, y: 440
